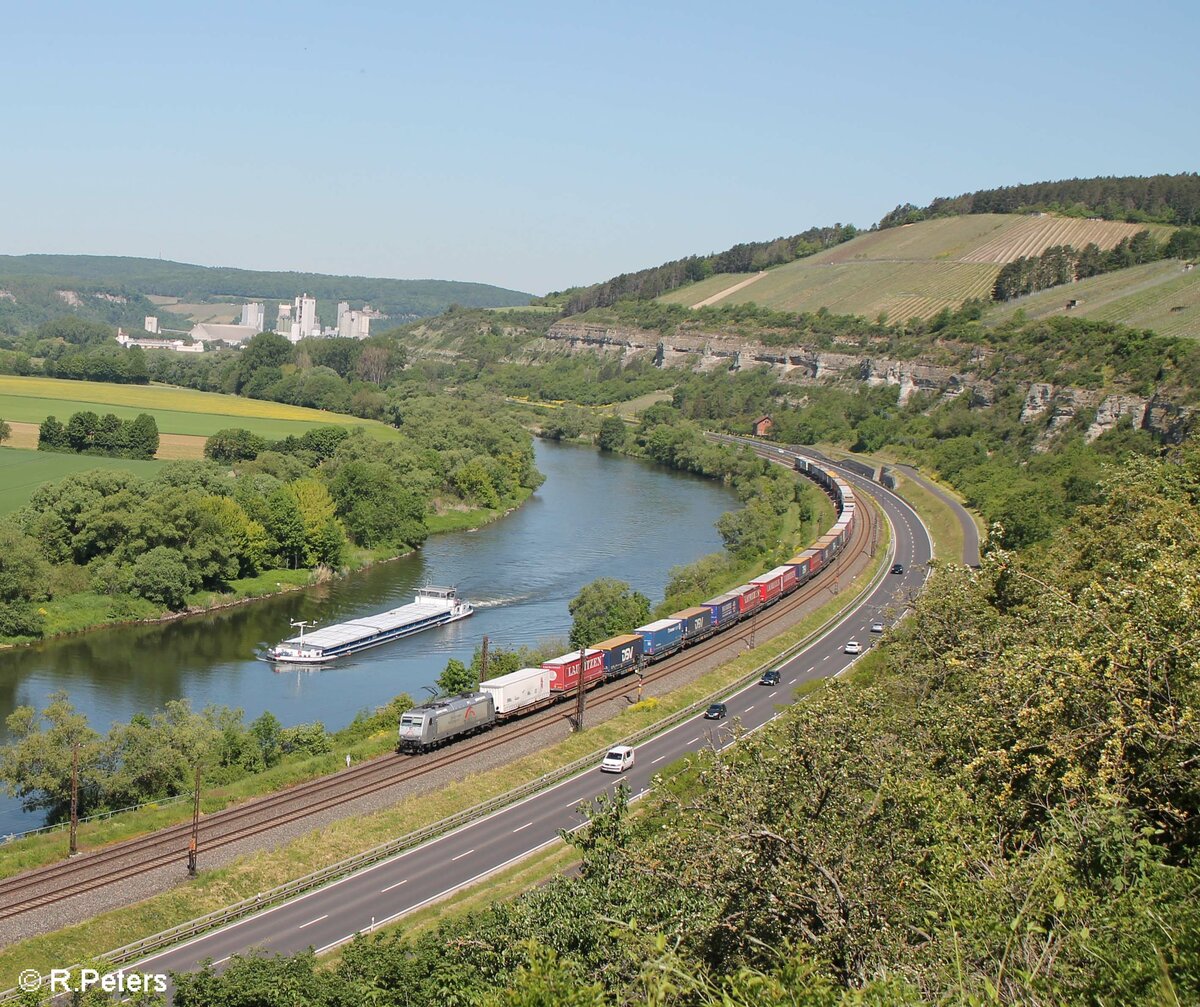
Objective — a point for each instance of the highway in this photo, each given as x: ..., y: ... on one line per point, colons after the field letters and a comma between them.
x: 331, y: 915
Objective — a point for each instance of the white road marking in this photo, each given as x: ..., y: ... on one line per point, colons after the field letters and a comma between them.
x: 384, y: 891
x: 659, y: 759
x: 793, y: 681
x: 461, y: 855
x: 813, y: 668
x: 771, y: 695
x: 575, y: 803
x: 693, y: 741
x: 826, y: 657
x: 311, y: 922
x: 749, y: 708
x: 520, y: 827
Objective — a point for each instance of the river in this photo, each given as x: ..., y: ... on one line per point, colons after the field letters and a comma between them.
x: 596, y: 515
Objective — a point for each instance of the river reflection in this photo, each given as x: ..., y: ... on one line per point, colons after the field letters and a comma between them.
x: 595, y: 516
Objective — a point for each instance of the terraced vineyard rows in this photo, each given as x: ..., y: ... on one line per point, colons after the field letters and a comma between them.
x: 1033, y: 235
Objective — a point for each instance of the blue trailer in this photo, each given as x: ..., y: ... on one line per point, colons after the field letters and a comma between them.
x: 725, y: 609
x: 663, y: 637
x: 622, y: 654
x: 697, y: 624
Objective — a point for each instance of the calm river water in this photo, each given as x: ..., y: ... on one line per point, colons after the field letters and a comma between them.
x: 595, y: 516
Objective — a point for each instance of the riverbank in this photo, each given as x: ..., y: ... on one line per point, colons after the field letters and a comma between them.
x: 82, y: 611
x: 258, y: 865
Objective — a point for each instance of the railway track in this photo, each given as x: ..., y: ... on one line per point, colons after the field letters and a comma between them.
x: 90, y: 871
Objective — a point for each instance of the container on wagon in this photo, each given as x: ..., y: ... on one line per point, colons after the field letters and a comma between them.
x: 564, y: 670
x: 621, y: 653
x: 801, y: 565
x: 661, y: 636
x: 749, y: 598
x: 775, y: 583
x: 696, y: 623
x: 518, y: 690
x: 724, y: 608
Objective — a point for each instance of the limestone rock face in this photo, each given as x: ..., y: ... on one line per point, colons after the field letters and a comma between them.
x: 1037, y: 401
x: 1110, y: 411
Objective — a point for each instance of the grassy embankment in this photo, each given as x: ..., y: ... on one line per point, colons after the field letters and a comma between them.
x: 258, y: 872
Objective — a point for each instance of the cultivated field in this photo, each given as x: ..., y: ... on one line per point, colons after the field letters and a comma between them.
x: 176, y: 410
x: 912, y: 271
x: 21, y: 472
x: 902, y: 289
x: 1158, y: 296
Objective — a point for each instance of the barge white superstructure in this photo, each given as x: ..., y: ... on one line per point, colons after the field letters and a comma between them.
x: 434, y: 606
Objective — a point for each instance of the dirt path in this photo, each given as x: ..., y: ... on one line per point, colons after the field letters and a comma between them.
x: 729, y: 290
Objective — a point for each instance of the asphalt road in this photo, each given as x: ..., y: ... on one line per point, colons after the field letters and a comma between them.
x: 379, y: 894
x: 970, y: 530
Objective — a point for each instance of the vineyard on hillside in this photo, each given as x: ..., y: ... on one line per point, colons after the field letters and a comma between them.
x: 1031, y: 236
x: 916, y: 270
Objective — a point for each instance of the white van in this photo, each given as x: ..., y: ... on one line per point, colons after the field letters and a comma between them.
x: 617, y: 760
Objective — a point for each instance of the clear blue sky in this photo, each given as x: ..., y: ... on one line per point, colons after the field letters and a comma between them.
x: 538, y: 146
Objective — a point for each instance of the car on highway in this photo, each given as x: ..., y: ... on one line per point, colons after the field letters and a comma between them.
x: 877, y: 627
x: 853, y: 647
x: 716, y: 711
x: 769, y: 678
x: 897, y: 568
x: 618, y: 759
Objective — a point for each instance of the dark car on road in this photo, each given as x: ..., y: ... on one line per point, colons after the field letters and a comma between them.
x: 897, y: 568
x: 716, y: 711
x: 769, y: 678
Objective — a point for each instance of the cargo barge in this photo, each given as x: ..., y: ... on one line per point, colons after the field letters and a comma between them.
x: 434, y: 606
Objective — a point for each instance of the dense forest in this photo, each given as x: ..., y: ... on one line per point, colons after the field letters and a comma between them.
x: 646, y: 284
x: 1165, y: 199
x: 28, y: 286
x: 999, y: 807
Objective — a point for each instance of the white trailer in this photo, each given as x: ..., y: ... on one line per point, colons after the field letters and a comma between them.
x: 519, y: 691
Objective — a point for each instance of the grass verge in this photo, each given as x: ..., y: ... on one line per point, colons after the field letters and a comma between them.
x: 258, y: 872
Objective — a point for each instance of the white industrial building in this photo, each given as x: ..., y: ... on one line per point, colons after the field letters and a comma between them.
x: 213, y: 332
x: 254, y: 315
x: 354, y: 324
x: 304, y: 319
x: 151, y: 323
x: 178, y: 345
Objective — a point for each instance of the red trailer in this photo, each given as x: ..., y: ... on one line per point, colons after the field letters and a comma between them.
x: 749, y: 598
x: 564, y: 671
x: 775, y: 583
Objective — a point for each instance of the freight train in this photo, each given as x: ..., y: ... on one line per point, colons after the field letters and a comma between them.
x: 521, y: 692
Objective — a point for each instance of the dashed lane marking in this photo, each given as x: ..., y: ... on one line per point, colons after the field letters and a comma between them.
x: 520, y: 827
x: 384, y: 891
x: 659, y: 759
x: 461, y: 855
x: 311, y: 922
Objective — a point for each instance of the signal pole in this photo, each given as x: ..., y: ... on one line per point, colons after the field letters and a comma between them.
x: 483, y: 661
x: 193, y: 850
x: 74, y: 843
x: 580, y: 701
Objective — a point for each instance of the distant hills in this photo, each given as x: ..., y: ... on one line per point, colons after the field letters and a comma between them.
x: 116, y: 289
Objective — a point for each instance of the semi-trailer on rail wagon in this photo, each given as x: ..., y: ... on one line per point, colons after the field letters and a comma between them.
x: 697, y: 624
x: 565, y: 670
x: 519, y: 691
x: 621, y: 654
x: 662, y: 637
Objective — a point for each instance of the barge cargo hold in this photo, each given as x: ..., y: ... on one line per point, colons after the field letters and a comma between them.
x: 434, y: 606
